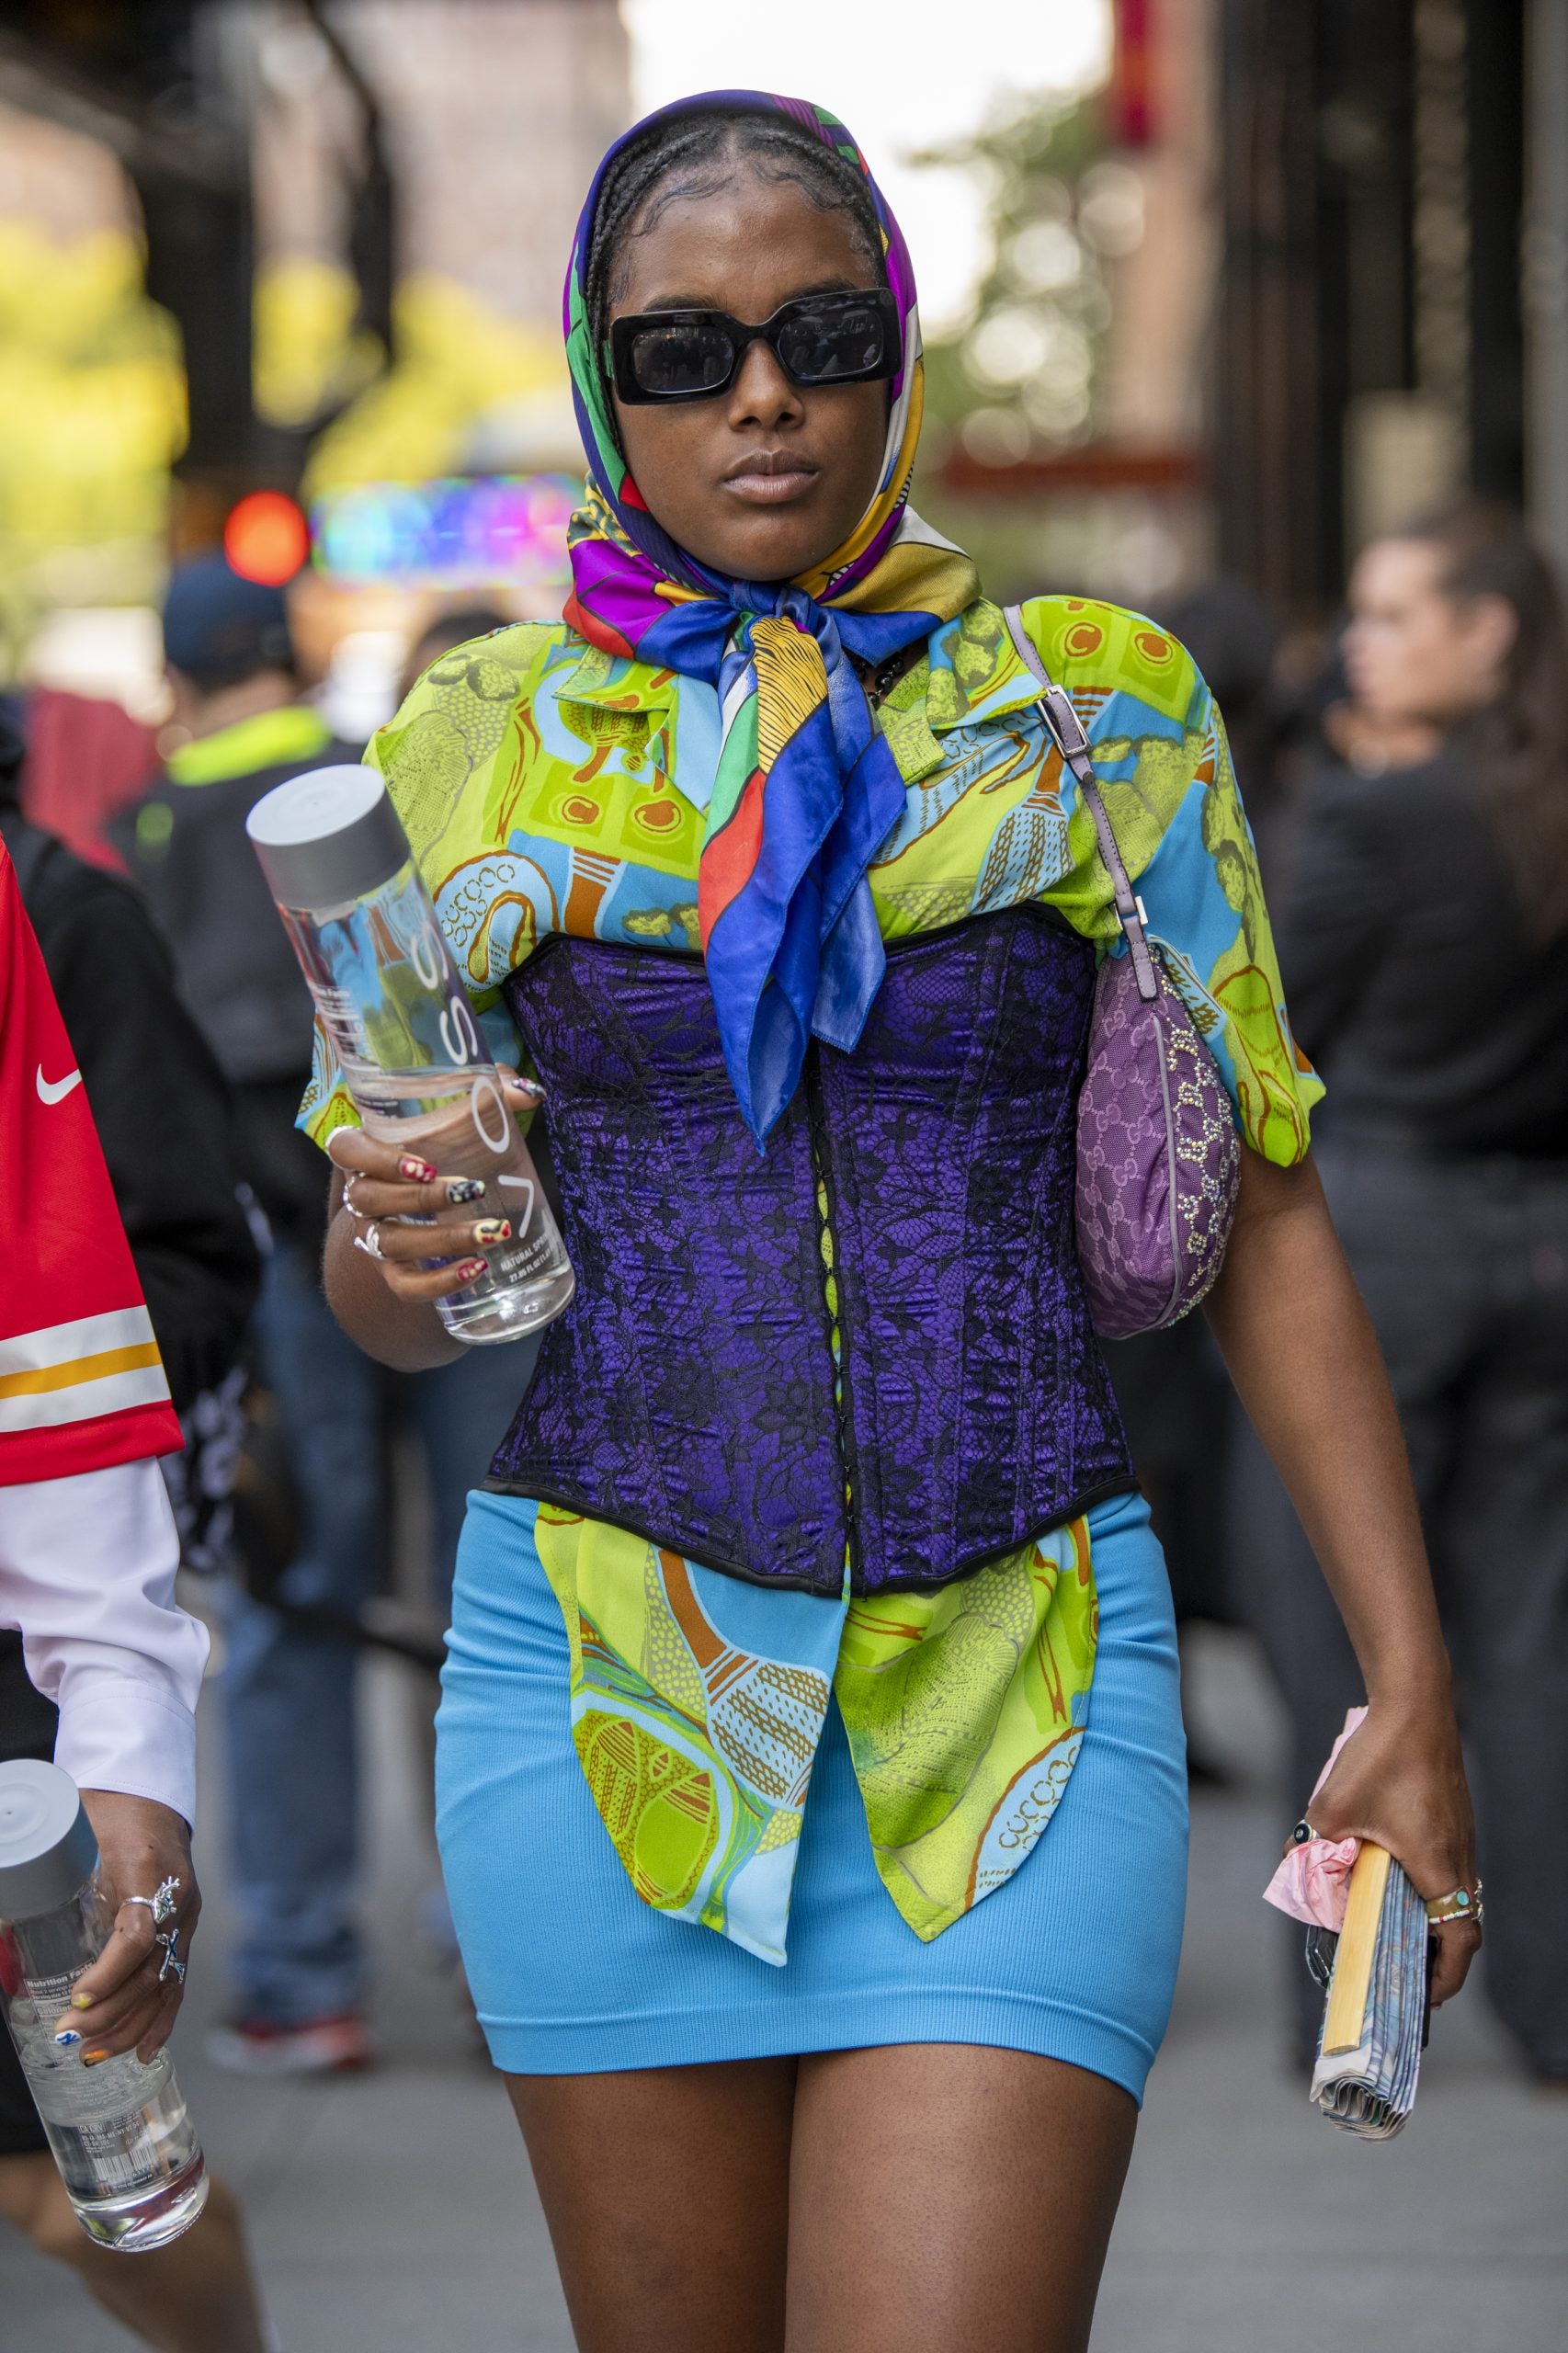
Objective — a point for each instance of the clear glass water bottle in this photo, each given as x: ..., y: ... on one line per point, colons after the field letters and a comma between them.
x: 355, y: 904
x: 120, y: 2131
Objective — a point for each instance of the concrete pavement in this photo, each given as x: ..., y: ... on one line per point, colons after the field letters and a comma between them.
x: 394, y: 2210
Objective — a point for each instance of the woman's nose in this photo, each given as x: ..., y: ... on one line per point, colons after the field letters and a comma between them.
x: 762, y: 394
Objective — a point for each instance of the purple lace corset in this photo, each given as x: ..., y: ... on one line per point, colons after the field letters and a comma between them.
x: 689, y: 1391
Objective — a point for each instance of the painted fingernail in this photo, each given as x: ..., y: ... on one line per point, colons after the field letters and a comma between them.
x: 491, y: 1229
x: 81, y: 2001
x: 530, y: 1086
x: 418, y: 1171
x: 66, y: 2037
x: 471, y: 1269
x: 94, y: 2058
x: 465, y: 1189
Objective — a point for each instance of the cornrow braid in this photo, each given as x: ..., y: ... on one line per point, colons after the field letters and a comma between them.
x: 694, y: 156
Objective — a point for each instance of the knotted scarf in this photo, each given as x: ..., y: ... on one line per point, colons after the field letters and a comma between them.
x: 806, y: 788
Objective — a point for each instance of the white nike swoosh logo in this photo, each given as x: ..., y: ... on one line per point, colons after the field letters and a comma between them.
x: 55, y: 1090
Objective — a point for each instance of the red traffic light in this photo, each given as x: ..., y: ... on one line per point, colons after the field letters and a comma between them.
x: 266, y: 538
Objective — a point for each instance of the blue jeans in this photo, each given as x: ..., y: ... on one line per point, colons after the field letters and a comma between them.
x: 288, y: 1692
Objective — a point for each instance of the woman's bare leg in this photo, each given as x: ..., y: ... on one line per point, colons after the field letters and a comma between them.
x: 667, y: 2195
x: 944, y: 2197
x: 191, y: 2296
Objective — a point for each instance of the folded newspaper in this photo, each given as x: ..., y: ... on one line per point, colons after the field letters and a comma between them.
x: 1374, y: 2021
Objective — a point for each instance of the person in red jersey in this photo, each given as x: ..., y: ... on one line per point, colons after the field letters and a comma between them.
x: 88, y: 1552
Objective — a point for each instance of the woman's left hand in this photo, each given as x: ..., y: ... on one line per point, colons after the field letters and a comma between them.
x: 1399, y: 1780
x: 128, y: 1999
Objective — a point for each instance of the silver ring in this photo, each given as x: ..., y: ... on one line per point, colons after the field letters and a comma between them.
x: 171, y: 1965
x: 371, y: 1240
x: 161, y: 1905
x: 349, y: 1184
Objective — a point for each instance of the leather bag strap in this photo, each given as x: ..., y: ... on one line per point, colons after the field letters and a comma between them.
x: 1073, y: 745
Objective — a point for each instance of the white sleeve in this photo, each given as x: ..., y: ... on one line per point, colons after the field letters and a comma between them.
x: 87, y: 1574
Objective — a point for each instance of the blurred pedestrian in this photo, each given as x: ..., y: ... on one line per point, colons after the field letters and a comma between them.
x: 813, y: 1908
x: 1424, y: 939
x: 288, y: 1679
x: 87, y: 759
x: 98, y: 1666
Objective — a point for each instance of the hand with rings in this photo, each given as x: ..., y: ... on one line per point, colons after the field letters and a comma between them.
x: 129, y: 1998
x: 393, y: 1198
x: 1399, y: 1780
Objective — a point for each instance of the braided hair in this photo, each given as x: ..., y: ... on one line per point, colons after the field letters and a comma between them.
x: 694, y: 155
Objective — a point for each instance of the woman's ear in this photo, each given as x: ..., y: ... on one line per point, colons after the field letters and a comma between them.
x: 1490, y: 626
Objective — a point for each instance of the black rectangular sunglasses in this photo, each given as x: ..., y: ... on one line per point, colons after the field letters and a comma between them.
x: 692, y: 355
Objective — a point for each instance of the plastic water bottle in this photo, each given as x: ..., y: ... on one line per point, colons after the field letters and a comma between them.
x: 355, y: 904
x: 120, y: 2131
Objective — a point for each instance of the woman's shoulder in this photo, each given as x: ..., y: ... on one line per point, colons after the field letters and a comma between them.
x: 484, y: 673
x: 1096, y: 649
x: 461, y: 709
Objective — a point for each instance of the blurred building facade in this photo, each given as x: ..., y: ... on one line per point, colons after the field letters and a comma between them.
x: 1300, y: 266
x: 1392, y: 314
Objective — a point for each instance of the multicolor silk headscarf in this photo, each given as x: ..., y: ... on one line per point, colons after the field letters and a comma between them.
x: 806, y: 788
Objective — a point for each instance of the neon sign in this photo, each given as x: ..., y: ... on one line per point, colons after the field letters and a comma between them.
x: 494, y: 532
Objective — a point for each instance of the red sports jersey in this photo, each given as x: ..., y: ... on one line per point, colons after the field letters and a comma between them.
x: 82, y: 1384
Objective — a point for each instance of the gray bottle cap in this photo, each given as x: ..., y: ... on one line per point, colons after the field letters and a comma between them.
x: 327, y: 836
x: 47, y: 1847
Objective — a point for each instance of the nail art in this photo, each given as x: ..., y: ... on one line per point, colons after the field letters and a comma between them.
x: 418, y: 1171
x: 81, y: 2001
x: 66, y: 2037
x: 94, y: 2058
x: 465, y: 1189
x: 471, y: 1268
x: 493, y: 1229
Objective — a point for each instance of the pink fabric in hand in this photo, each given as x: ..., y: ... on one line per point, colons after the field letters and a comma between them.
x: 1313, y: 1881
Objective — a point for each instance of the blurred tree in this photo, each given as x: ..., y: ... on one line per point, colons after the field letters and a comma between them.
x: 1025, y: 376
x: 469, y: 388
x: 92, y: 414
x: 311, y: 352
x: 1022, y: 372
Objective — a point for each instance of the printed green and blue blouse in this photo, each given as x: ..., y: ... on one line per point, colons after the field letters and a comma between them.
x: 548, y: 787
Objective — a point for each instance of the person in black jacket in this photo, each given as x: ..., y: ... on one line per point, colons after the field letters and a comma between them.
x: 1422, y: 934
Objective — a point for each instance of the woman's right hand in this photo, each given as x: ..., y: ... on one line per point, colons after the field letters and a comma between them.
x: 379, y: 1185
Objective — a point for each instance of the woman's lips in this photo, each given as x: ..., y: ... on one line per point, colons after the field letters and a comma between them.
x: 769, y: 478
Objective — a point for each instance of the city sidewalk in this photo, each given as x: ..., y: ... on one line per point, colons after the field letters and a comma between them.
x: 394, y: 2210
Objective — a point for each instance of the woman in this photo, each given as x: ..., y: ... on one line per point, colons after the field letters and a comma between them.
x: 821, y: 1469
x: 1426, y: 942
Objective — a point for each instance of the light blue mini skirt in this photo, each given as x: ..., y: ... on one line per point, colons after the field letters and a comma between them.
x: 572, y: 1973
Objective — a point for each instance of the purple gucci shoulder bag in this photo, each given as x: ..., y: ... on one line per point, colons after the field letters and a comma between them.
x: 1159, y: 1158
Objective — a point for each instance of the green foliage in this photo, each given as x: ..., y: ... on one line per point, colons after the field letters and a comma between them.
x: 1025, y: 375
x: 92, y: 414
